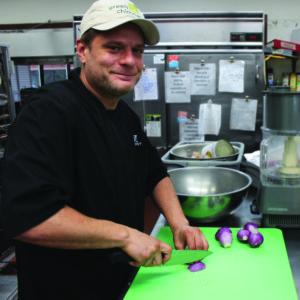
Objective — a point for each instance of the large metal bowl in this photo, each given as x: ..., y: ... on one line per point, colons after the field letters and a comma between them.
x: 209, y: 194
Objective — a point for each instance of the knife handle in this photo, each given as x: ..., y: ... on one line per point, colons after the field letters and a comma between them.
x: 120, y: 256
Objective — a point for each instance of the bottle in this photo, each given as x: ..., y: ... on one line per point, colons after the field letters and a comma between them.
x: 285, y: 79
x: 298, y: 83
x: 293, y: 82
x: 270, y: 76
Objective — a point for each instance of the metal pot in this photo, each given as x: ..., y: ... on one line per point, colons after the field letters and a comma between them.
x: 209, y: 194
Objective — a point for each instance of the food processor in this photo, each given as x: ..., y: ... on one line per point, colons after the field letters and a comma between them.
x: 279, y: 190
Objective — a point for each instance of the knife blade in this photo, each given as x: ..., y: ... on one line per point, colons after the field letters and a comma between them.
x: 178, y: 257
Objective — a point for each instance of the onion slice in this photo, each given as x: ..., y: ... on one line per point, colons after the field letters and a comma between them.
x: 197, y: 266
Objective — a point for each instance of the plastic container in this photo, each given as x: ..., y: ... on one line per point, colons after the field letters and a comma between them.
x: 220, y: 148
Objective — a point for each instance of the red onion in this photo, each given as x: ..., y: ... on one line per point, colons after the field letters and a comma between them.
x: 255, y: 239
x: 250, y: 226
x: 197, y: 266
x: 225, y: 239
x: 243, y: 235
x: 222, y: 229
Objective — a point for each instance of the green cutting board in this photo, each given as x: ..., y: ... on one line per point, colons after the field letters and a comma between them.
x: 234, y: 273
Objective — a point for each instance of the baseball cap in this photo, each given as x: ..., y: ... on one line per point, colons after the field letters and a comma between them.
x: 108, y: 14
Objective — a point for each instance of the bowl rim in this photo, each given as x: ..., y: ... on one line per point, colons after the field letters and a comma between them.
x: 215, y: 168
x: 178, y: 147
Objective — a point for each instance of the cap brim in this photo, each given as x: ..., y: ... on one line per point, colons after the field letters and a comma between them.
x: 149, y: 29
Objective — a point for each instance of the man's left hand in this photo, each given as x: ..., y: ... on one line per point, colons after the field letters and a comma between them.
x: 192, y: 237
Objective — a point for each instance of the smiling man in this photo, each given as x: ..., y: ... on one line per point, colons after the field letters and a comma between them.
x: 78, y: 167
x: 112, y: 64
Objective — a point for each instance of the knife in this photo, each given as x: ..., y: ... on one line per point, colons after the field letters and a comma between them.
x: 178, y: 257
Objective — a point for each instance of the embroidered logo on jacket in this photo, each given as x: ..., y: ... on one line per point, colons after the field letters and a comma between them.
x: 136, y: 142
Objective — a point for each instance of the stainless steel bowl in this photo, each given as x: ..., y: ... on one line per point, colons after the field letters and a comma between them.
x: 185, y: 152
x: 209, y: 194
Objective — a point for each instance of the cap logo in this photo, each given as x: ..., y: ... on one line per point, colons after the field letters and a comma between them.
x: 133, y: 9
x: 124, y: 9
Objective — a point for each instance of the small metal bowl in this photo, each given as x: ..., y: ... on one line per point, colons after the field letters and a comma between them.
x: 209, y: 194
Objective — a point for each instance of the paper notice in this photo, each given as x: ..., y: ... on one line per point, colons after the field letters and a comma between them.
x: 203, y: 79
x: 146, y: 88
x: 210, y: 118
x: 177, y: 87
x: 189, y: 131
x: 231, y: 76
x: 153, y: 125
x: 243, y: 114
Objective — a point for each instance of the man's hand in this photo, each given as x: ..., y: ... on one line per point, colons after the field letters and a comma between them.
x: 185, y: 235
x: 147, y: 251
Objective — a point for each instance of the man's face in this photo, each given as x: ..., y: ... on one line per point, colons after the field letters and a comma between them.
x: 113, y: 64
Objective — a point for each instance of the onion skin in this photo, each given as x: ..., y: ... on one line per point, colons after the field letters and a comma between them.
x: 251, y: 227
x: 222, y: 229
x: 197, y: 266
x: 226, y: 239
x: 255, y: 239
x: 243, y: 235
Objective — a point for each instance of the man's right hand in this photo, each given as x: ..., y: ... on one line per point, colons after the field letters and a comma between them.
x: 146, y: 250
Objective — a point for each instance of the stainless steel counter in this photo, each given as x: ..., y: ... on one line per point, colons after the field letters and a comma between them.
x: 243, y: 215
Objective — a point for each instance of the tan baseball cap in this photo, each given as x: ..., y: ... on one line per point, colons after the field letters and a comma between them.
x: 108, y: 14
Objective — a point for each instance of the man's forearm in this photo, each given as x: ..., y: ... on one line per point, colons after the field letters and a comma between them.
x: 164, y: 195
x: 69, y: 229
x: 184, y: 235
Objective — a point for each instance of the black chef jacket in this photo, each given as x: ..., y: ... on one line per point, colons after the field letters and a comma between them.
x: 65, y: 148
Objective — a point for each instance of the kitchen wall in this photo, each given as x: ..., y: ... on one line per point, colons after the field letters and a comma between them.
x: 283, y: 20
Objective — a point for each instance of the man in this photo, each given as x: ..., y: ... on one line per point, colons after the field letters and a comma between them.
x: 78, y: 168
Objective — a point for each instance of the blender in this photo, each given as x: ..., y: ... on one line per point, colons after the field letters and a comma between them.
x: 279, y: 189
